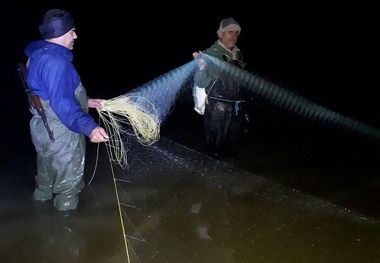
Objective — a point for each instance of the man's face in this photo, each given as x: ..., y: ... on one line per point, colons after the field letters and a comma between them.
x: 229, y: 39
x: 67, y: 40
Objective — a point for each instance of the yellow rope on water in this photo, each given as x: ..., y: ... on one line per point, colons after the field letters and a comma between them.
x: 120, y: 210
x: 117, y: 114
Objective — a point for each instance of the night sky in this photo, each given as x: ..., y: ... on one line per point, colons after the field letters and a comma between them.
x: 327, y: 54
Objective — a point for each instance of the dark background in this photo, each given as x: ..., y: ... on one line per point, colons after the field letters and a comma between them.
x: 328, y: 54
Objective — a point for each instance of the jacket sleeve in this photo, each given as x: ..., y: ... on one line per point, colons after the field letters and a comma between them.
x: 204, y: 78
x: 60, y: 79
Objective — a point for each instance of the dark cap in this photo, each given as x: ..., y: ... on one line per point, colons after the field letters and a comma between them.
x: 56, y: 22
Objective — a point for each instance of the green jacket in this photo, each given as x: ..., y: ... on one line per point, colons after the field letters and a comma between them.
x: 216, y: 82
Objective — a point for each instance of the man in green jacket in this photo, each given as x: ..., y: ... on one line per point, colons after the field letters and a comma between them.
x: 216, y: 94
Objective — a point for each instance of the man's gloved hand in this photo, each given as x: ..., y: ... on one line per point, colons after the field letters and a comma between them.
x: 200, y: 97
x: 201, y: 62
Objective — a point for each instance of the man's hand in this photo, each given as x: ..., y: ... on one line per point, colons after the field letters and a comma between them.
x: 98, y: 135
x: 95, y: 103
x: 201, y: 62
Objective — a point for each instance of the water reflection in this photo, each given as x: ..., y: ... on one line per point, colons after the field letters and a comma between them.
x: 181, y: 206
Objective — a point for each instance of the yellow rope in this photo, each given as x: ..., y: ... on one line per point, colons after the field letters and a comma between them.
x: 133, y: 111
x: 96, y: 162
x: 119, y: 207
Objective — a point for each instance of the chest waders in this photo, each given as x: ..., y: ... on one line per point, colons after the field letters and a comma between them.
x: 60, y: 165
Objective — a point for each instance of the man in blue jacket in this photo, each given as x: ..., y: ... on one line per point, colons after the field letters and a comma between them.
x: 52, y: 77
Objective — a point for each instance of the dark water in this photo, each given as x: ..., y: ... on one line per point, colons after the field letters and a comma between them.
x: 179, y: 205
x: 207, y: 211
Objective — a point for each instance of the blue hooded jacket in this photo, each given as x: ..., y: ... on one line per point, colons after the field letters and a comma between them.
x: 52, y: 77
